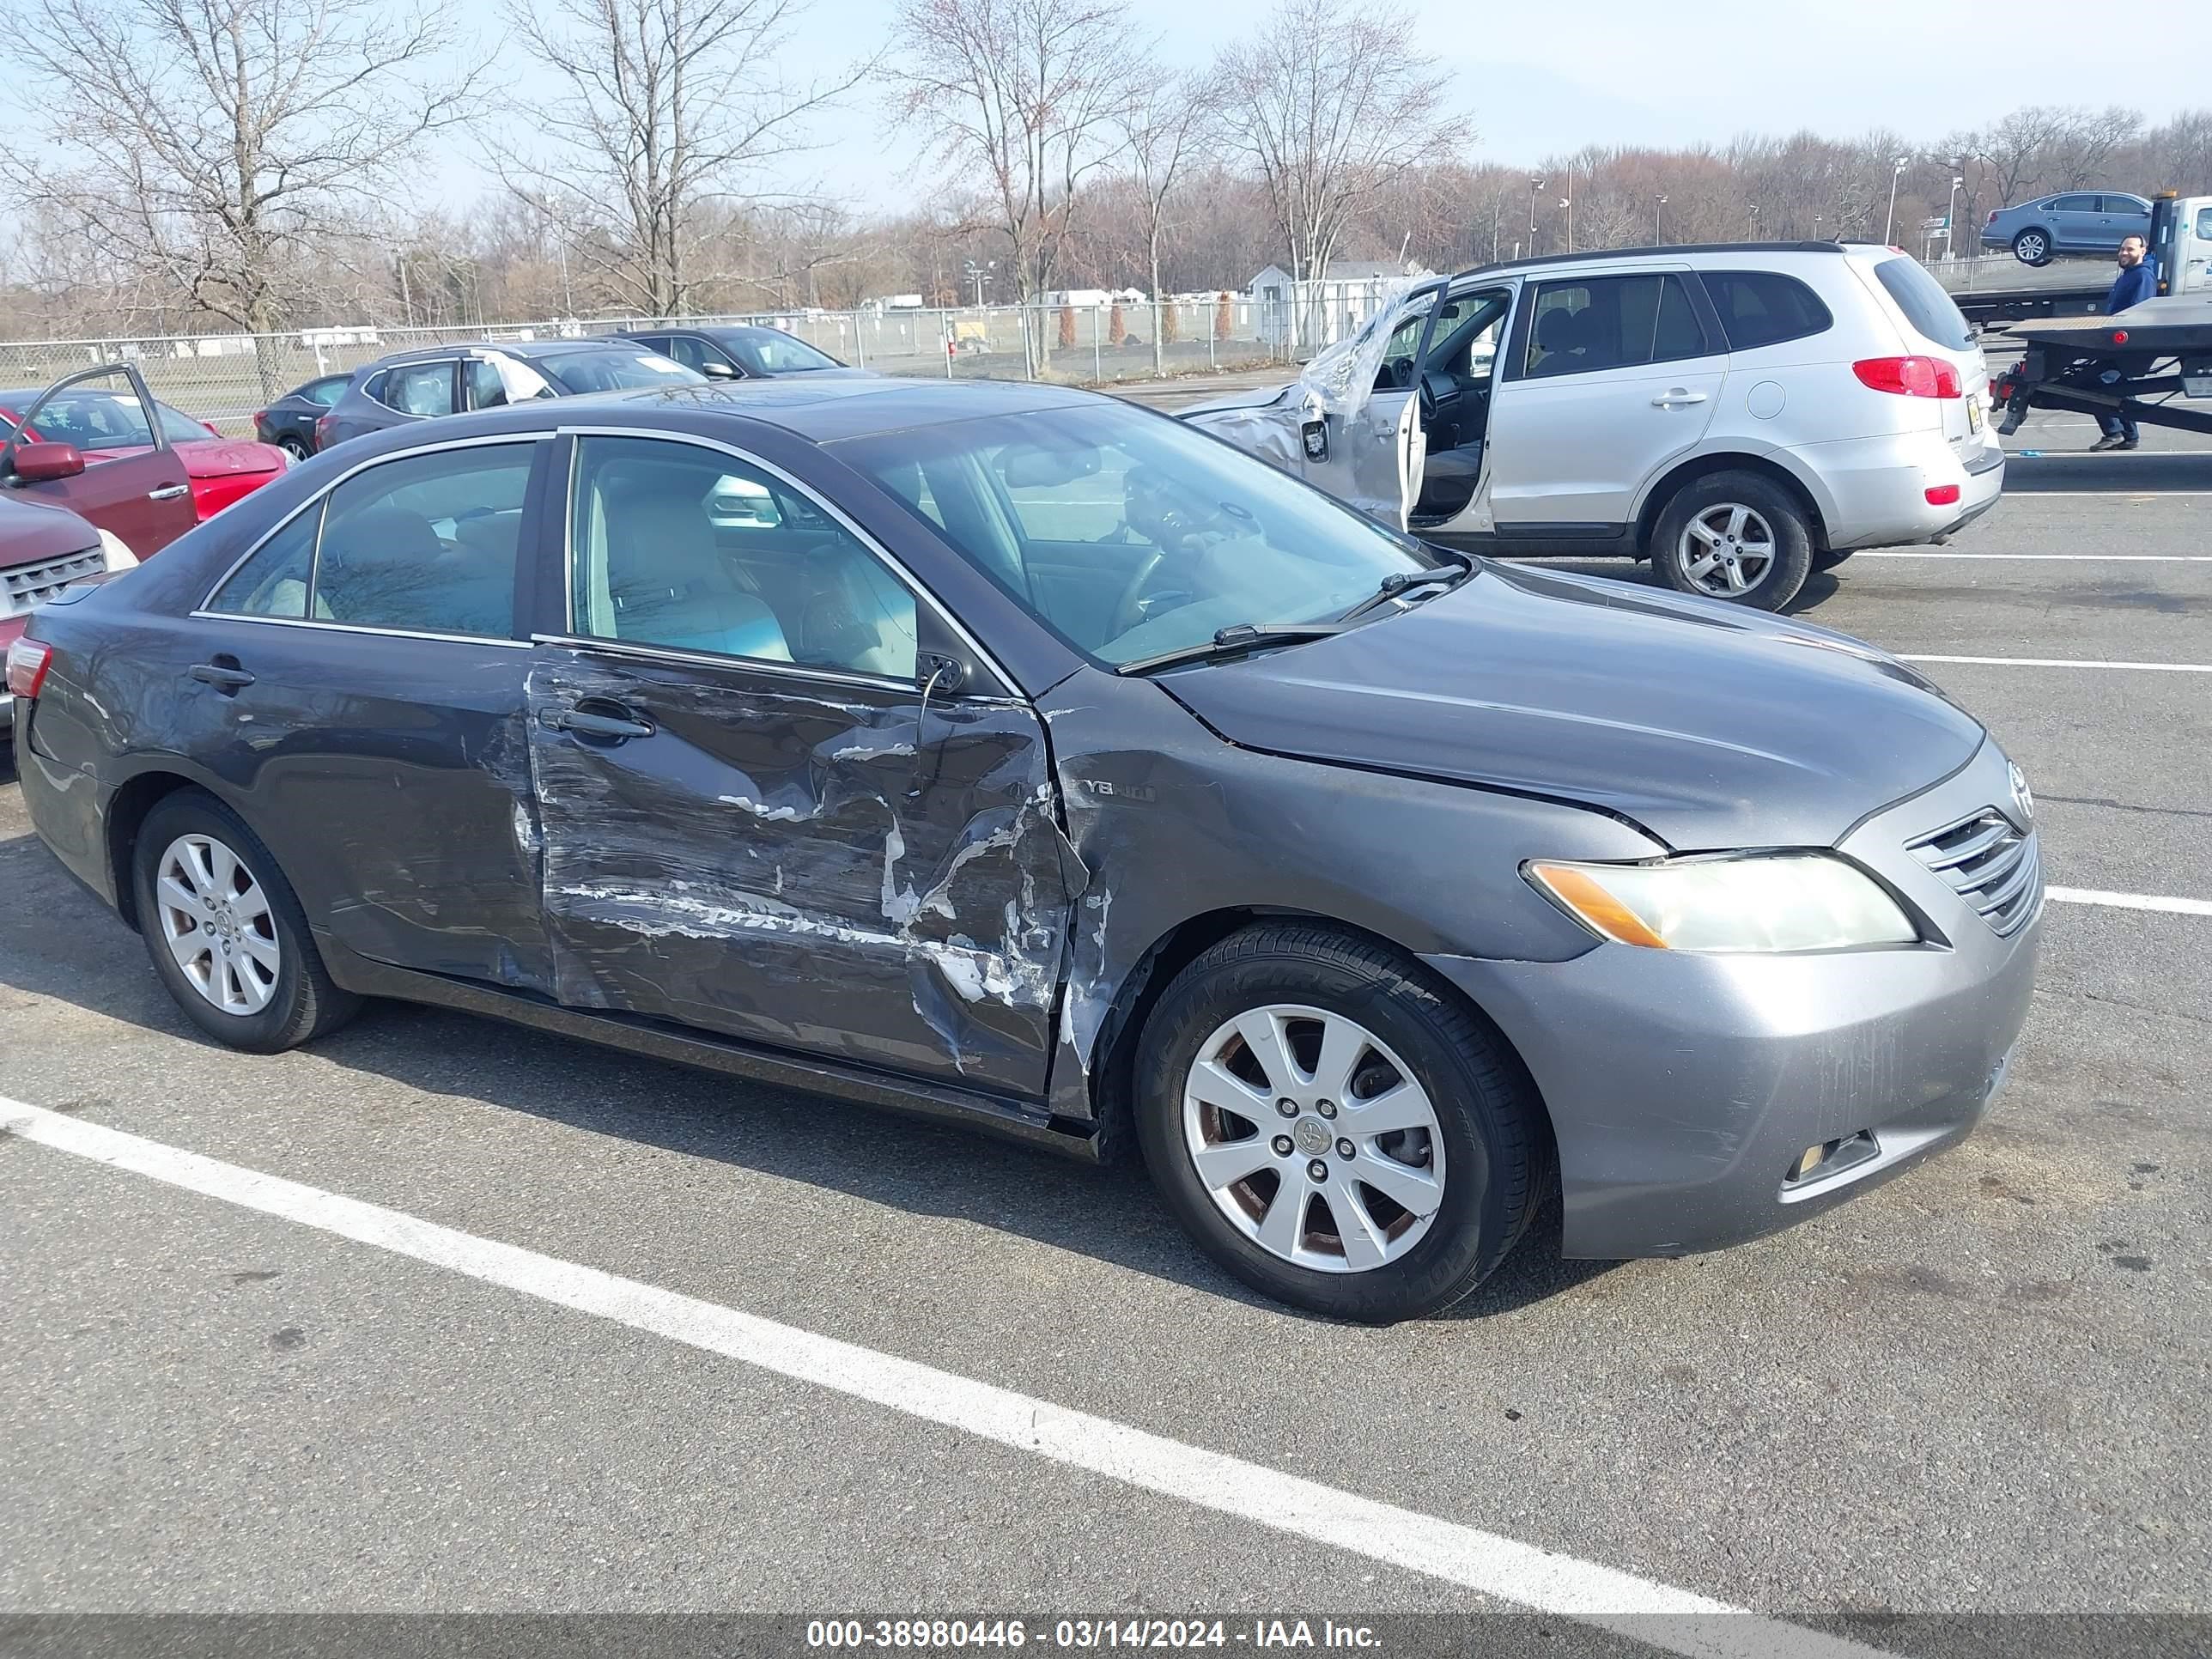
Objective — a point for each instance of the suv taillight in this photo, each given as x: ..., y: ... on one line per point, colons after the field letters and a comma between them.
x: 26, y: 665
x: 322, y: 430
x: 1909, y: 377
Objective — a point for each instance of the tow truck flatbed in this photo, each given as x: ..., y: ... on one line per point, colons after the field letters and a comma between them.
x: 2135, y: 364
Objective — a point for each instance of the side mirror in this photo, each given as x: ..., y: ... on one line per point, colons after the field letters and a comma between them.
x: 715, y: 369
x: 936, y: 676
x: 1313, y: 427
x: 41, y: 462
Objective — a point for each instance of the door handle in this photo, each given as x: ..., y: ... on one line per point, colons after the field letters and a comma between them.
x: 584, y: 722
x: 168, y: 492
x: 223, y: 676
x: 1678, y: 398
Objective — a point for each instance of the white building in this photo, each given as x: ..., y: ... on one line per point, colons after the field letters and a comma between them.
x: 1312, y: 314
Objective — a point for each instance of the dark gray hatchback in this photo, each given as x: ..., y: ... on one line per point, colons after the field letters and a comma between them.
x: 1011, y: 754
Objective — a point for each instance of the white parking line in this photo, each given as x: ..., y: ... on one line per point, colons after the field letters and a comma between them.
x: 2146, y: 495
x: 2179, y: 907
x: 1504, y: 1568
x: 2069, y: 662
x: 2060, y: 558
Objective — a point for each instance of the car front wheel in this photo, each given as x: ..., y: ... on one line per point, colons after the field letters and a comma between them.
x: 1734, y: 535
x: 225, y: 930
x: 296, y: 447
x: 1332, y: 1129
x: 2032, y: 248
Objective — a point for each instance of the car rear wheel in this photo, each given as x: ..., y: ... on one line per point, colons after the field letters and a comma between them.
x: 1333, y: 1129
x: 225, y: 930
x: 2032, y: 248
x: 1734, y: 535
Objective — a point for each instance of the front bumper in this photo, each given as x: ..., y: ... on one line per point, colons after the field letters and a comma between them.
x: 1682, y: 1089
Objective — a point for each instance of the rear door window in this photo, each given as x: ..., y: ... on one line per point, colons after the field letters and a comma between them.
x: 1933, y: 315
x: 1613, y: 322
x: 273, y: 581
x: 2078, y: 204
x: 1763, y: 308
x: 426, y: 543
x: 420, y: 388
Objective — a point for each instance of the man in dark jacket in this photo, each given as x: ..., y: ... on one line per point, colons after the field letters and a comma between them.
x: 2134, y: 284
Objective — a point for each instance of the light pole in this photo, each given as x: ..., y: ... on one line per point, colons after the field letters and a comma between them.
x: 1951, y: 219
x: 1754, y: 225
x: 1569, y: 203
x: 1535, y: 184
x: 980, y: 276
x: 1889, y: 225
x: 1657, y: 204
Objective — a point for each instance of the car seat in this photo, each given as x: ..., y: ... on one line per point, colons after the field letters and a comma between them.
x: 668, y: 580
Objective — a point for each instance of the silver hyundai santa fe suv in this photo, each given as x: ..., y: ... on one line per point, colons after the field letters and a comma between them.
x: 1739, y: 414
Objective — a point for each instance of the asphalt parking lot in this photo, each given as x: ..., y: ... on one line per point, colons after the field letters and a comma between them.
x: 1979, y: 1389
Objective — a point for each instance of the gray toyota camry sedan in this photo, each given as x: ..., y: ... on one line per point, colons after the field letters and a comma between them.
x: 1011, y: 755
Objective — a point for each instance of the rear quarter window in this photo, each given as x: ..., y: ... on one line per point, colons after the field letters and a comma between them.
x: 1927, y: 307
x: 1765, y: 307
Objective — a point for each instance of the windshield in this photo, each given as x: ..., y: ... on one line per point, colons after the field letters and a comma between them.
x: 614, y: 371
x: 1130, y: 535
x: 180, y: 427
x: 769, y: 351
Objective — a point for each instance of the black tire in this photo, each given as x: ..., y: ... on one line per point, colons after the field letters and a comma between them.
x: 1496, y: 1152
x: 2032, y: 248
x: 1791, y: 530
x: 297, y: 448
x: 303, y: 1003
x: 1827, y: 558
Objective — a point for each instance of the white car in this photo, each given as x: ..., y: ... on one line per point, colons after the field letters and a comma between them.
x: 1739, y: 415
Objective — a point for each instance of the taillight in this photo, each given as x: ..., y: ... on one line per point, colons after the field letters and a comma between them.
x: 1909, y: 377
x: 26, y: 665
x: 1992, y: 219
x: 322, y: 430
x: 214, y: 431
x: 260, y: 417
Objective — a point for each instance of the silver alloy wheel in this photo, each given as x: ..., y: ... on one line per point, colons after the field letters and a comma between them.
x: 2031, y: 247
x: 1314, y: 1140
x: 217, y: 922
x: 1726, y: 550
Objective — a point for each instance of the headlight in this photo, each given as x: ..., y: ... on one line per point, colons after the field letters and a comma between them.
x: 1751, y: 901
x: 119, y: 557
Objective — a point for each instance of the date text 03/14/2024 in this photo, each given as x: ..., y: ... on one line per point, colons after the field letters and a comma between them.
x: 1085, y: 1634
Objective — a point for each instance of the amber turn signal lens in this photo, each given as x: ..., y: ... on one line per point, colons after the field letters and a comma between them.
x: 1580, y: 893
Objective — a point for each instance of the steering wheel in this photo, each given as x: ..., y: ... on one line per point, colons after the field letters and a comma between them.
x: 1129, y: 609
x: 1427, y: 396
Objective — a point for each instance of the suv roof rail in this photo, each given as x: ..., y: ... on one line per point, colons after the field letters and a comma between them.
x: 1655, y: 253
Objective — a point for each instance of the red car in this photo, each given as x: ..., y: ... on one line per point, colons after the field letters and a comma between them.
x: 44, y: 550
x: 100, y: 444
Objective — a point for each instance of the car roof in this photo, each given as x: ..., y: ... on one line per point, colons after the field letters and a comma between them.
x: 825, y: 411
x: 1603, y: 256
x: 712, y: 331
x: 524, y: 348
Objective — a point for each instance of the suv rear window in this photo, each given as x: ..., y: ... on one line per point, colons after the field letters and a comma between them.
x: 1930, y: 310
x: 1763, y: 308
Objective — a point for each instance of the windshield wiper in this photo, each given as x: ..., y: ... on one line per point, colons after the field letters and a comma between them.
x: 1233, y: 641
x: 1404, y: 581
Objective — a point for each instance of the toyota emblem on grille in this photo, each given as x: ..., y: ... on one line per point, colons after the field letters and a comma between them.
x: 2023, y: 802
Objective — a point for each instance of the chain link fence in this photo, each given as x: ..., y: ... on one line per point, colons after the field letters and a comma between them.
x: 226, y: 378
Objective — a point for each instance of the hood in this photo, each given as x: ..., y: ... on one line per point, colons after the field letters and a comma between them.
x: 1710, y: 725
x: 1253, y: 397
x: 32, y: 532
x: 218, y: 458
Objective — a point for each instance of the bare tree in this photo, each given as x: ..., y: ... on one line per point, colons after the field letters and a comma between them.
x: 1019, y: 97
x: 1163, y: 129
x: 218, y: 140
x: 667, y: 106
x: 1328, y: 100
x: 2087, y: 142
